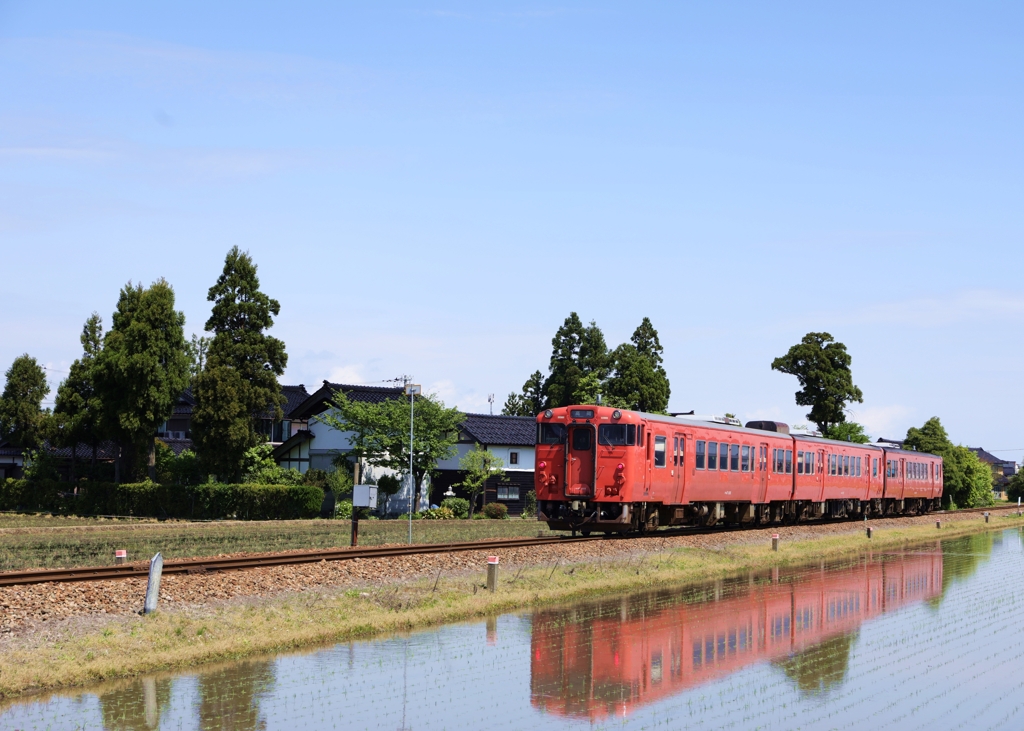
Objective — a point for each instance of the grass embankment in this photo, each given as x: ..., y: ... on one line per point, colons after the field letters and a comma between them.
x: 167, y: 641
x: 39, y: 542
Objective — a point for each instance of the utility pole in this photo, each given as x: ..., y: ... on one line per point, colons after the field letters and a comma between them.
x: 490, y: 402
x: 412, y: 390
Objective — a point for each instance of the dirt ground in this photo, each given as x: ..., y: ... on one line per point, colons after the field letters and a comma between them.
x: 32, y: 609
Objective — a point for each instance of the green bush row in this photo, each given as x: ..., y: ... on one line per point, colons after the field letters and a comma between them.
x: 209, y: 501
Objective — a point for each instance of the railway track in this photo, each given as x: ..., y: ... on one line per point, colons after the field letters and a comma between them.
x: 209, y: 565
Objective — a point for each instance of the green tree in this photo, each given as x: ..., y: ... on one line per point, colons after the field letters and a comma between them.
x: 480, y: 465
x: 530, y: 401
x: 380, y: 432
x: 21, y: 405
x: 576, y: 352
x: 822, y: 366
x: 930, y: 438
x: 966, y: 480
x: 198, y: 349
x: 238, y: 383
x: 78, y: 411
x: 848, y: 431
x: 640, y: 382
x: 143, y: 368
x: 1015, y: 490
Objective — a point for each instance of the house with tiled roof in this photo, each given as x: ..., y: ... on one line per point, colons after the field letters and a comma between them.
x: 317, y: 445
x: 510, y: 438
x: 1002, y: 470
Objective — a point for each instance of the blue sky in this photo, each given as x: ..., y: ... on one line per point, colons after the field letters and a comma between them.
x: 430, y: 189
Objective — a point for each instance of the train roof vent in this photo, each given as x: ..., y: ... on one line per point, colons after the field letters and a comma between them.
x: 776, y: 426
x: 732, y: 421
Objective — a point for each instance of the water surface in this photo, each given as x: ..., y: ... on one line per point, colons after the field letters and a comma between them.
x: 920, y: 639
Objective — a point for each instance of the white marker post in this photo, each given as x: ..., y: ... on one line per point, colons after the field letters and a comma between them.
x: 412, y: 391
x: 156, y: 570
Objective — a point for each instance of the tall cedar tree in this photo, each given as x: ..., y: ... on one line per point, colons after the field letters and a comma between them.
x: 530, y: 401
x: 238, y: 384
x: 21, y: 412
x: 142, y: 368
x: 78, y: 411
x: 822, y: 366
x: 640, y: 382
x: 379, y: 432
x: 577, y: 351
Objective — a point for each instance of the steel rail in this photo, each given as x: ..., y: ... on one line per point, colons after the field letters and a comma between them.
x: 234, y: 563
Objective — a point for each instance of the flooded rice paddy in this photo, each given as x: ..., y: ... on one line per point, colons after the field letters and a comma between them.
x: 928, y: 638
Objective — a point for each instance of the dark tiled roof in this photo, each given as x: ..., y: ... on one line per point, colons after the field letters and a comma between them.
x: 519, y: 431
x: 293, y: 397
x: 104, y: 450
x: 186, y: 402
x: 987, y: 456
x: 178, y: 445
x: 317, y: 402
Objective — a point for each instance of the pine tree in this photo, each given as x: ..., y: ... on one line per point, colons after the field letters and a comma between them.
x: 78, y: 410
x: 576, y: 352
x: 822, y: 366
x: 143, y: 367
x: 239, y: 380
x: 21, y: 412
x: 530, y: 401
x: 639, y: 382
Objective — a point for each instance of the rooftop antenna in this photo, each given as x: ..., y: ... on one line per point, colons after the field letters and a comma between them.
x: 490, y: 402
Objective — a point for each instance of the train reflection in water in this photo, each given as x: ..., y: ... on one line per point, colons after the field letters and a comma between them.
x: 607, y: 658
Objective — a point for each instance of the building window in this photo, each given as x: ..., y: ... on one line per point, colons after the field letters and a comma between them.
x: 508, y: 492
x: 660, y: 447
x: 513, y: 457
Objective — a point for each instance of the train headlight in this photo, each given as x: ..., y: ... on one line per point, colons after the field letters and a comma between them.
x: 548, y: 414
x: 616, y: 414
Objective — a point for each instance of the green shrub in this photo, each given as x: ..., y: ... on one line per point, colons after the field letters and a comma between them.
x: 442, y: 513
x: 208, y: 501
x: 343, y: 510
x: 496, y: 511
x: 530, y: 505
x: 459, y: 506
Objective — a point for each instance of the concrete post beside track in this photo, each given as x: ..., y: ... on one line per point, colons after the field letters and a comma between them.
x: 492, y: 573
x: 156, y: 570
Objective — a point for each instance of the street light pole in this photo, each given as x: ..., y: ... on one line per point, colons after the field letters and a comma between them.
x: 412, y: 390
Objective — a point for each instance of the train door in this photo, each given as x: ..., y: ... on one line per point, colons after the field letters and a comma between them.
x: 762, y: 471
x: 819, y: 475
x: 581, y: 462
x: 678, y: 466
x: 903, y: 478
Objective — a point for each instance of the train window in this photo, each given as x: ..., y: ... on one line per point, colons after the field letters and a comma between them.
x: 675, y: 451
x: 859, y: 465
x: 789, y: 461
x: 616, y: 435
x: 712, y: 455
x: 723, y: 456
x: 746, y: 458
x: 874, y: 467
x: 700, y: 454
x: 660, y: 447
x: 809, y: 466
x: 779, y: 459
x: 831, y: 464
x: 682, y: 451
x: 846, y: 466
x: 581, y: 441
x: 640, y: 441
x: 734, y: 458
x: 551, y: 434
x: 800, y: 462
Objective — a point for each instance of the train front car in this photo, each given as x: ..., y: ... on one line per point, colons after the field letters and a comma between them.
x: 588, y: 459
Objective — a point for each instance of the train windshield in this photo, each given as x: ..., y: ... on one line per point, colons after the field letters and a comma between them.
x: 616, y: 435
x: 551, y: 434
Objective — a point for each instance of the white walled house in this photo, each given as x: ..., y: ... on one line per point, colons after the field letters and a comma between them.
x: 513, y: 439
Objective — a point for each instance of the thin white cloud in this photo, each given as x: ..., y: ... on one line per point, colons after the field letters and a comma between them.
x: 882, y: 421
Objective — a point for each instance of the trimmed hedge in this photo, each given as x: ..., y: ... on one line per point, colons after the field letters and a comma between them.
x: 209, y: 501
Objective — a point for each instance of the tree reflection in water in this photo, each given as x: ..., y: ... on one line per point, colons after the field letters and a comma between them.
x: 135, y: 707
x: 961, y: 558
x: 229, y: 697
x: 820, y: 668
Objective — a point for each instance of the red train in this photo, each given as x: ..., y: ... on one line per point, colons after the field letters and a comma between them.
x: 605, y: 469
x: 608, y: 658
